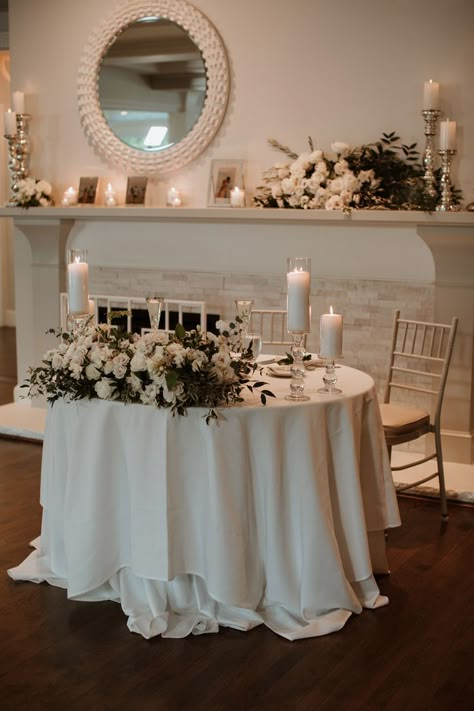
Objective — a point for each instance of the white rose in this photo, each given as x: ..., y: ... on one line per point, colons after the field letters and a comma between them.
x: 336, y: 185
x: 276, y: 190
x: 104, y: 389
x: 43, y: 187
x: 339, y: 148
x: 92, y: 373
x: 340, y: 167
x: 138, y: 362
x: 335, y: 202
x: 287, y: 186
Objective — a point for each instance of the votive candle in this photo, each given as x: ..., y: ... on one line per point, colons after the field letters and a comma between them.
x: 78, y: 282
x: 330, y: 345
x: 237, y: 197
x: 110, y: 196
x: 69, y: 197
x: 174, y: 197
x: 298, y: 301
x: 447, y: 135
x: 431, y: 95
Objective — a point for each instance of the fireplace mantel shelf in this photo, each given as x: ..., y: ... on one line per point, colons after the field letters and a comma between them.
x: 395, y: 218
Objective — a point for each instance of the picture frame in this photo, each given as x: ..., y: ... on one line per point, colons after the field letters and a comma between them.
x: 225, y: 174
x: 87, y: 192
x: 136, y: 190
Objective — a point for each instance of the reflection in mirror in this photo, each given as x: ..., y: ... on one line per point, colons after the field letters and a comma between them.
x: 152, y: 84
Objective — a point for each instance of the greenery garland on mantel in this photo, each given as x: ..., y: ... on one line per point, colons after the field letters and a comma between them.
x: 385, y: 175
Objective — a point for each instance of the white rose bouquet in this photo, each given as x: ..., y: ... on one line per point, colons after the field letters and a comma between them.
x: 177, y: 371
x: 32, y: 192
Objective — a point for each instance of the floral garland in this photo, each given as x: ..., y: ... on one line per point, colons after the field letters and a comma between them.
x: 177, y: 371
x: 380, y: 175
x: 32, y: 192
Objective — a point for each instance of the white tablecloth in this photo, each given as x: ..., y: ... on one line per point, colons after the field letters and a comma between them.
x: 267, y: 515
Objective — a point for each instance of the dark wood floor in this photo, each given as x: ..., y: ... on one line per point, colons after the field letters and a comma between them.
x: 415, y: 654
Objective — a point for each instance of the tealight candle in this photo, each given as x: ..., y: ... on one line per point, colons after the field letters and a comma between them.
x: 69, y: 197
x: 237, y: 197
x: 298, y: 283
x: 447, y: 135
x: 77, y: 282
x: 431, y: 95
x: 330, y: 335
x: 174, y: 197
x: 110, y: 196
x: 10, y: 123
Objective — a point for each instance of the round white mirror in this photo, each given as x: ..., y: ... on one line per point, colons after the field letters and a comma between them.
x: 153, y: 85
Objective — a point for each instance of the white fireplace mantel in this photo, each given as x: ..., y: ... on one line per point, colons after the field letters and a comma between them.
x: 449, y: 237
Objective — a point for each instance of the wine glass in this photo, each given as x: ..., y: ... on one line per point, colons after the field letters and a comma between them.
x: 154, y: 305
x: 252, y: 346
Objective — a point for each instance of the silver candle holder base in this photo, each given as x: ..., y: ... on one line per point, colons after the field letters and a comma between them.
x: 446, y: 204
x: 430, y: 117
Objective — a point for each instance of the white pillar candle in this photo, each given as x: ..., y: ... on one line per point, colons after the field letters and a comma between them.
x: 237, y: 197
x: 431, y: 95
x: 18, y: 102
x: 330, y: 335
x: 447, y: 135
x: 78, y: 287
x: 10, y: 123
x: 298, y: 283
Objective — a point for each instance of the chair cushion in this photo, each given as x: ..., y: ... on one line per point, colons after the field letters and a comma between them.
x: 398, y: 419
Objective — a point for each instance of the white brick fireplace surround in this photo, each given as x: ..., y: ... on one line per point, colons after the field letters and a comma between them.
x: 365, y: 264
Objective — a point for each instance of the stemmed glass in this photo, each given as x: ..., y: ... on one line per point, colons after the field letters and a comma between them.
x: 154, y: 305
x: 252, y: 346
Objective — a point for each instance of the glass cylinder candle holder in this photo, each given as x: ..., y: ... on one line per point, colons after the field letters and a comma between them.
x: 330, y: 378
x: 77, y: 282
x: 297, y: 369
x: 298, y: 280
x: 154, y: 306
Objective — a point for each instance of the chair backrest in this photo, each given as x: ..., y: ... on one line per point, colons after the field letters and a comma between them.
x: 272, y: 325
x: 420, y: 357
x: 126, y: 303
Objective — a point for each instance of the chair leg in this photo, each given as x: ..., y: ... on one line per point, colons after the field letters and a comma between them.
x: 442, y: 485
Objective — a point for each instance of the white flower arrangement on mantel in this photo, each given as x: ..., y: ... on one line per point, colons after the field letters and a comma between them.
x: 32, y: 192
x: 384, y: 175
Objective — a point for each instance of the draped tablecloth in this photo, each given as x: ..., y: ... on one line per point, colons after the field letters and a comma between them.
x: 268, y: 515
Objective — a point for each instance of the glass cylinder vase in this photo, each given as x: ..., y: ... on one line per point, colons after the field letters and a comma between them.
x: 77, y: 282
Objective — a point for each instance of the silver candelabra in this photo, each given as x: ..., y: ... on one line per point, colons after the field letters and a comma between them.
x: 431, y: 118
x: 18, y: 154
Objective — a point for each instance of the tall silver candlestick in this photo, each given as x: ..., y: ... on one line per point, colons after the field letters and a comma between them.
x: 18, y: 154
x: 431, y: 118
x: 446, y: 203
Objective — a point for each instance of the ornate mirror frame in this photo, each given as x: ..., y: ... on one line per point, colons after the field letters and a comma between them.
x: 97, y: 130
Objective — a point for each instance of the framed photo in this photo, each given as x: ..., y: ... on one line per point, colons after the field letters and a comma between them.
x: 225, y: 175
x: 136, y: 190
x: 87, y: 191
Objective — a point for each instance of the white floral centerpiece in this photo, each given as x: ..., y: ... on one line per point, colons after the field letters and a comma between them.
x: 176, y: 371
x: 32, y: 192
x: 380, y: 175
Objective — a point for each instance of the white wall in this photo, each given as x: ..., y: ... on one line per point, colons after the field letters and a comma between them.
x: 336, y: 71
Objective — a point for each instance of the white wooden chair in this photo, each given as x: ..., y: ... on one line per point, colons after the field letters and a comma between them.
x: 419, y: 363
x: 272, y: 325
x: 125, y: 303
